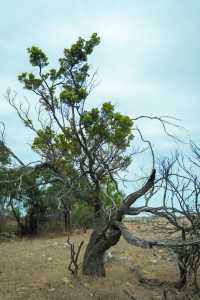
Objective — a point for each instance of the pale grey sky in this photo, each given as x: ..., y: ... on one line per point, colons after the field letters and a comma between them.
x: 148, y: 60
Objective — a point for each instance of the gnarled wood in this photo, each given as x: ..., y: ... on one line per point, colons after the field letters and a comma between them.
x: 100, y: 241
x: 133, y: 240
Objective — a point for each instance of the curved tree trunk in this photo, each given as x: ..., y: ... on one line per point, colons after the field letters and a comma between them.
x: 102, y: 238
x: 107, y: 235
x: 100, y: 241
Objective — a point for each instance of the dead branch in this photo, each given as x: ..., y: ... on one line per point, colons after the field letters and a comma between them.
x: 73, y: 266
x: 133, y: 240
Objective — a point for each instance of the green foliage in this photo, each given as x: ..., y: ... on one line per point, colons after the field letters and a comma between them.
x: 112, y: 197
x: 7, y: 175
x: 73, y: 64
x: 43, y: 138
x: 109, y: 126
x: 79, y: 51
x: 4, y: 155
x: 47, y: 143
x: 30, y: 81
x: 37, y: 57
x: 82, y: 215
x: 71, y: 95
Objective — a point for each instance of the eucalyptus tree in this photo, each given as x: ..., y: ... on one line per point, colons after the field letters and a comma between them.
x: 4, y: 161
x: 94, y: 143
x: 22, y: 189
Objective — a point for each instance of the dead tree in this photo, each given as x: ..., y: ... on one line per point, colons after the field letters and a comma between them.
x: 179, y: 187
x: 182, y: 190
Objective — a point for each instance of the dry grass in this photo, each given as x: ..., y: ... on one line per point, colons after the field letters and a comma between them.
x: 36, y: 269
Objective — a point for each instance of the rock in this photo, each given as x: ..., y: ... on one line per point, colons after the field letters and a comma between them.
x: 66, y: 280
x: 169, y: 259
x: 108, y: 256
x: 161, y: 251
x: 86, y: 284
x: 123, y: 258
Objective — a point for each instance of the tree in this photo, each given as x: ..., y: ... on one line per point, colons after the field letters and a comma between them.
x: 84, y: 149
x: 22, y: 190
x: 4, y: 161
x: 22, y: 195
x: 179, y: 190
x: 93, y: 142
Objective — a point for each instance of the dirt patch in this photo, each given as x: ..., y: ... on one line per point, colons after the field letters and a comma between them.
x: 37, y: 269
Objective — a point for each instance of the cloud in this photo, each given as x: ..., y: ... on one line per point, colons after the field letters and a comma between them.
x: 148, y: 60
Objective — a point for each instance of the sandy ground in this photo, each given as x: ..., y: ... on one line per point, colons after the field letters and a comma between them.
x: 37, y: 269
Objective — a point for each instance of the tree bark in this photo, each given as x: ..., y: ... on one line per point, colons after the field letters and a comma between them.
x: 184, y: 270
x: 21, y: 226
x: 106, y: 235
x: 100, y: 241
x: 67, y: 220
x: 182, y: 277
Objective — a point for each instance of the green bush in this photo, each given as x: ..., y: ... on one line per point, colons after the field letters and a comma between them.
x: 82, y: 216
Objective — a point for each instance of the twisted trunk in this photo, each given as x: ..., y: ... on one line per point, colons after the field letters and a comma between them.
x: 100, y: 241
x: 107, y: 234
x: 102, y: 238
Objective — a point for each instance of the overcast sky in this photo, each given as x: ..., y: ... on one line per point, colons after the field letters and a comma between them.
x: 148, y: 61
